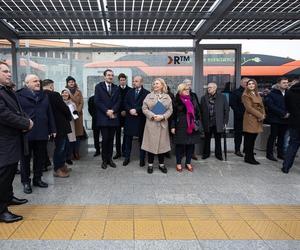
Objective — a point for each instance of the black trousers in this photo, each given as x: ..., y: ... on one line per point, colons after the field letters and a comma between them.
x: 187, y: 149
x: 127, y: 142
x: 207, y: 139
x: 96, y: 135
x: 119, y: 145
x: 37, y: 150
x: 238, y: 134
x: 277, y: 132
x: 108, y: 134
x: 249, y: 141
x: 161, y: 158
x: 7, y: 175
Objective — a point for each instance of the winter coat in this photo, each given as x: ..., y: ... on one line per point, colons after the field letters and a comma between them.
x: 72, y: 107
x: 180, y: 123
x: 62, y: 115
x: 275, y: 107
x: 134, y: 125
x: 123, y: 93
x: 235, y: 102
x: 221, y: 109
x: 77, y: 98
x: 156, y: 137
x: 104, y: 102
x: 254, y: 111
x: 39, y: 110
x: 292, y: 101
x: 12, y: 123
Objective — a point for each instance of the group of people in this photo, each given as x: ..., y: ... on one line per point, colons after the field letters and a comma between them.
x: 279, y: 108
x: 32, y: 115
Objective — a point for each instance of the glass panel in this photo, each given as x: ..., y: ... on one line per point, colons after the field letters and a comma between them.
x: 219, y: 67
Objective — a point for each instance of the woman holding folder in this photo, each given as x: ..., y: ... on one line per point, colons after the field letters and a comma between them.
x: 157, y: 108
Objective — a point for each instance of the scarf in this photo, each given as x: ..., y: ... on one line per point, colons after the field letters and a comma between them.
x: 72, y: 90
x: 190, y: 113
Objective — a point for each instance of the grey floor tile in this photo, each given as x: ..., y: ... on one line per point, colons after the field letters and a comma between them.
x: 283, y: 244
x: 104, y: 244
x: 167, y: 244
x: 234, y: 245
x: 35, y: 244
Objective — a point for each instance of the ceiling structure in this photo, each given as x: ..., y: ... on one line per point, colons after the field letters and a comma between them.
x: 142, y: 19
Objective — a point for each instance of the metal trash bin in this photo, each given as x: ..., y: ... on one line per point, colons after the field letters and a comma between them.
x: 262, y: 138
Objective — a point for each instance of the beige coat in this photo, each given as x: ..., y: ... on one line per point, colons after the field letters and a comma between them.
x: 254, y: 113
x: 77, y: 98
x: 156, y: 138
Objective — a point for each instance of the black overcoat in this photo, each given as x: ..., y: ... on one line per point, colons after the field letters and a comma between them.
x: 12, y: 123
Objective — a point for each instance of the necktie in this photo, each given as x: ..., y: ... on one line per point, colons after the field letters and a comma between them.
x: 136, y: 94
x: 109, y: 89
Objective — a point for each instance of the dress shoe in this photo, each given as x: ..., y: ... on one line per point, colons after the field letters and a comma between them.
x: 9, y: 217
x: 126, y: 162
x: 27, y: 188
x: 189, y: 167
x: 70, y: 162
x: 112, y: 164
x: 194, y: 157
x: 142, y: 163
x: 97, y: 153
x: 163, y: 169
x: 66, y: 169
x: 271, y: 158
x: 16, y: 201
x: 283, y: 170
x: 251, y: 161
x: 179, y: 168
x: 48, y: 163
x: 204, y: 157
x: 39, y: 183
x: 150, y: 169
x: 238, y: 153
x: 104, y: 165
x: 60, y: 174
x: 117, y: 156
x: 219, y: 157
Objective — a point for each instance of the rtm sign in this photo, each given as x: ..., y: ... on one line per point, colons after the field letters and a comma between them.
x: 179, y: 59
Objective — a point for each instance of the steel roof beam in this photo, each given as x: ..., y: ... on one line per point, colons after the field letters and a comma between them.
x: 236, y: 35
x: 236, y: 15
x: 6, y: 32
x: 220, y: 10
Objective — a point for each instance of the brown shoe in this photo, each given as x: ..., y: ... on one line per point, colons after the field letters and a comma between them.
x: 61, y: 174
x: 194, y: 157
x: 76, y: 156
x: 66, y: 169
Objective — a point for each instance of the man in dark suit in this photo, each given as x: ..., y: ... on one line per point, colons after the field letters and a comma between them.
x: 107, y: 102
x: 135, y: 119
x: 235, y: 102
x: 62, y: 118
x: 123, y: 87
x: 12, y: 125
x: 95, y: 128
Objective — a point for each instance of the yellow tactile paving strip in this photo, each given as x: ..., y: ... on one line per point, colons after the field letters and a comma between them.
x: 154, y: 222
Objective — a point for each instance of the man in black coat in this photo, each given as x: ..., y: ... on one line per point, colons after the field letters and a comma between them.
x: 292, y: 102
x: 62, y: 118
x: 235, y: 102
x: 107, y: 103
x: 12, y: 125
x: 277, y: 116
x: 215, y: 114
x: 123, y: 87
x: 95, y: 128
x: 135, y: 119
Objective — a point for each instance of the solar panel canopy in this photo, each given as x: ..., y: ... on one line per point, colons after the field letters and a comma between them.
x: 183, y: 19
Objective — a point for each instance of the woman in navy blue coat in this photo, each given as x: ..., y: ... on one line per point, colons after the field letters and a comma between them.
x: 36, y: 105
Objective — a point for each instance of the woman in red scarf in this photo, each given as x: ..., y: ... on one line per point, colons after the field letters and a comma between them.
x: 185, y: 129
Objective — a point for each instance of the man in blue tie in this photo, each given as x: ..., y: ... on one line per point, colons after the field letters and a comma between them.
x: 107, y: 103
x: 134, y: 119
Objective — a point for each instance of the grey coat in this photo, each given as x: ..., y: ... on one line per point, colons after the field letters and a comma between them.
x: 222, y: 112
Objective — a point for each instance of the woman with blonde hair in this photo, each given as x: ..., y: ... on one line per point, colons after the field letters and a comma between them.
x: 186, y: 117
x: 253, y: 119
x: 157, y: 108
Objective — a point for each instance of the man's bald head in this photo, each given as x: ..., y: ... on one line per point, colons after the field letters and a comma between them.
x: 33, y: 82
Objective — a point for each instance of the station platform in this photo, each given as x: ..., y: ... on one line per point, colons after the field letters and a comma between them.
x: 221, y: 205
